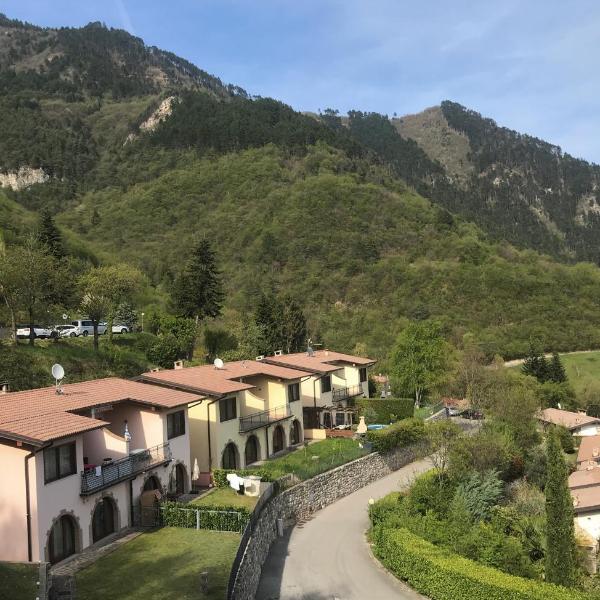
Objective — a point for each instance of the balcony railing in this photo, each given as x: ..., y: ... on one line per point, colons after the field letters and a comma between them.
x: 100, y: 477
x: 265, y: 417
x: 339, y: 394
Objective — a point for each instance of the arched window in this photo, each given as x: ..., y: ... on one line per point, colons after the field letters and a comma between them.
x: 230, y: 455
x: 251, y: 453
x: 103, y: 521
x: 295, y: 433
x: 278, y: 439
x: 152, y: 483
x: 62, y: 539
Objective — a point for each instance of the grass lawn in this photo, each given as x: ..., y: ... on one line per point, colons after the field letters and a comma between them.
x: 226, y: 497
x: 18, y: 581
x: 581, y: 368
x: 315, y: 458
x: 164, y: 564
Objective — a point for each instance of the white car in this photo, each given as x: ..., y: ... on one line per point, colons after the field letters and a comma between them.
x: 120, y: 329
x: 85, y: 327
x: 38, y: 332
x: 66, y: 330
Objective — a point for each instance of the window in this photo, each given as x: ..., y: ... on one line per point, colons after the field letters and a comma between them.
x: 59, y: 462
x: 340, y: 418
x: 326, y: 384
x: 293, y: 392
x: 227, y: 409
x: 87, y: 323
x: 175, y: 424
x: 363, y: 374
x: 62, y: 539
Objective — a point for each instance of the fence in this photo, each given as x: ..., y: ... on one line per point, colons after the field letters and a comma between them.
x: 197, y: 518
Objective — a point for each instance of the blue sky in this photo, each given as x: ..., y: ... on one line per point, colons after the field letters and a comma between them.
x: 531, y: 65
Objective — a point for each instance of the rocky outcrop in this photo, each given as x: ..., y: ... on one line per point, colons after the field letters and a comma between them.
x: 23, y: 178
x: 163, y: 111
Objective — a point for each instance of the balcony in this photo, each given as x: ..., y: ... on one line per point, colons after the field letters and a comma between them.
x: 345, y: 393
x: 265, y: 417
x: 100, y: 477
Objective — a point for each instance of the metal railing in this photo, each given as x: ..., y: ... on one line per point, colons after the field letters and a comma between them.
x: 339, y: 394
x: 264, y: 417
x: 97, y: 478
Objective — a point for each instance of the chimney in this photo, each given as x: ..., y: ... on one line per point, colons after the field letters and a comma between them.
x: 5, y: 387
x: 278, y: 352
x: 595, y: 452
x: 178, y: 364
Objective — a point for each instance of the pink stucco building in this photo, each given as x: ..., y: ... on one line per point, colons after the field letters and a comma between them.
x: 76, y: 460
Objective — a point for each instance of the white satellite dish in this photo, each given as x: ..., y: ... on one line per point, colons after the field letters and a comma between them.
x: 58, y: 372
x: 219, y: 364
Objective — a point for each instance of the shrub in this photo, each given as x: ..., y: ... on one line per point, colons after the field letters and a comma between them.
x: 166, y: 351
x: 385, y: 410
x: 479, y: 493
x: 219, y: 518
x: 443, y: 575
x: 431, y: 492
x: 220, y: 475
x: 566, y: 439
x: 401, y: 434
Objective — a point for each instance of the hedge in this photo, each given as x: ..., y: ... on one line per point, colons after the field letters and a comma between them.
x: 443, y: 575
x: 219, y: 518
x: 400, y: 434
x: 220, y: 475
x: 388, y: 410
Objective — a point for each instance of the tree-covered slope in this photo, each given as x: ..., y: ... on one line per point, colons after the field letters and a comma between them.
x: 361, y: 251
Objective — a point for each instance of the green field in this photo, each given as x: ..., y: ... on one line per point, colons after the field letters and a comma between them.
x: 18, y: 581
x: 582, y: 368
x: 163, y: 564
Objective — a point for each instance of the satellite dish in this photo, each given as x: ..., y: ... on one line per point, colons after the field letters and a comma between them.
x: 58, y: 372
x: 65, y: 316
x: 218, y: 363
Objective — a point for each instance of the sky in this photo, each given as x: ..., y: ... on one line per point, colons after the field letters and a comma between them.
x: 530, y: 65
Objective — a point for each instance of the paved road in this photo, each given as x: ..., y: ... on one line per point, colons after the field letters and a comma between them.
x: 328, y: 558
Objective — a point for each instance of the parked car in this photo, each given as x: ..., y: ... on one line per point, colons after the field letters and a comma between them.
x: 472, y: 414
x: 120, y: 329
x: 453, y: 411
x: 39, y: 332
x: 66, y: 330
x: 85, y: 327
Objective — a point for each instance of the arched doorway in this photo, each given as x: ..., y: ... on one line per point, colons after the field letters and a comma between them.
x: 152, y: 483
x: 327, y: 420
x: 62, y: 540
x: 103, y: 520
x: 180, y: 477
x: 251, y: 452
x: 278, y: 439
x: 230, y: 456
x: 295, y: 433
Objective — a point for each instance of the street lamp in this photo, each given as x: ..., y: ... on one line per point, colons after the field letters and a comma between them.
x: 142, y: 322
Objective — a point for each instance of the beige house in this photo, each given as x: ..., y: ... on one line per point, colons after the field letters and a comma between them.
x: 578, y: 424
x: 75, y: 460
x: 328, y: 394
x: 249, y: 411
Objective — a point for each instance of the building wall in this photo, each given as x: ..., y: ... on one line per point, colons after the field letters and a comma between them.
x: 145, y: 425
x: 180, y: 445
x: 197, y: 420
x: 13, y: 522
x: 586, y: 430
x: 590, y: 522
x: 103, y: 443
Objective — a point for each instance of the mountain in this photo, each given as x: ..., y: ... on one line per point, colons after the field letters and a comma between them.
x: 516, y: 186
x: 368, y: 222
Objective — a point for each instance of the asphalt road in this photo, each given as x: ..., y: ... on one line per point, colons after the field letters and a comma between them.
x: 328, y: 558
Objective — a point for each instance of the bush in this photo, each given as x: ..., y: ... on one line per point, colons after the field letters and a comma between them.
x: 430, y: 492
x: 219, y: 518
x: 566, y: 439
x: 220, y: 475
x: 385, y: 410
x: 166, y: 351
x: 479, y: 493
x: 401, y: 434
x: 443, y: 575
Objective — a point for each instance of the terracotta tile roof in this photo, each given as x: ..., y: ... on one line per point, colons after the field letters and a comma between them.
x: 589, y: 449
x: 584, y: 478
x: 322, y: 361
x: 586, y: 499
x: 207, y: 379
x: 570, y: 420
x: 42, y: 414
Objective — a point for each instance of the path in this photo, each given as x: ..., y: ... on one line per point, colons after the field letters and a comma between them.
x: 328, y: 558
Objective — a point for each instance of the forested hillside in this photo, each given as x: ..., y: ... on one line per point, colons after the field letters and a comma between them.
x: 365, y: 228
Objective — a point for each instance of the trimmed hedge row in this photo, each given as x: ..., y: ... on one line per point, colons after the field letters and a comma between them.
x: 387, y: 409
x: 219, y: 518
x: 400, y: 434
x: 443, y: 575
x: 220, y: 475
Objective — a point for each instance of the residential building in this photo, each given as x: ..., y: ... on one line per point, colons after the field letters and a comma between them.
x: 578, y: 424
x: 250, y: 410
x: 328, y: 394
x: 76, y: 459
x: 585, y: 490
x: 589, y: 452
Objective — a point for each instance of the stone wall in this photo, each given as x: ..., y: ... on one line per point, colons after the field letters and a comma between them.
x: 305, y: 498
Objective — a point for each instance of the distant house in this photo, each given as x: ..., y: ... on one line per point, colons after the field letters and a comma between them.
x: 578, y: 424
x: 585, y: 490
x: 589, y: 452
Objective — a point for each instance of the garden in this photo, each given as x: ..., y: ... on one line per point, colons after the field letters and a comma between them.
x: 18, y: 581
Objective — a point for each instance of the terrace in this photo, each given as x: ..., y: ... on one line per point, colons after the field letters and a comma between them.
x: 345, y: 393
x: 264, y: 417
x: 96, y: 478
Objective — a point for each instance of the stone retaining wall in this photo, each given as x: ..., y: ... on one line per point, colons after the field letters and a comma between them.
x: 305, y: 498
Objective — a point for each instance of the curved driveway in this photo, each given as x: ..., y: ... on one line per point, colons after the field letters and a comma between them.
x: 328, y: 557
